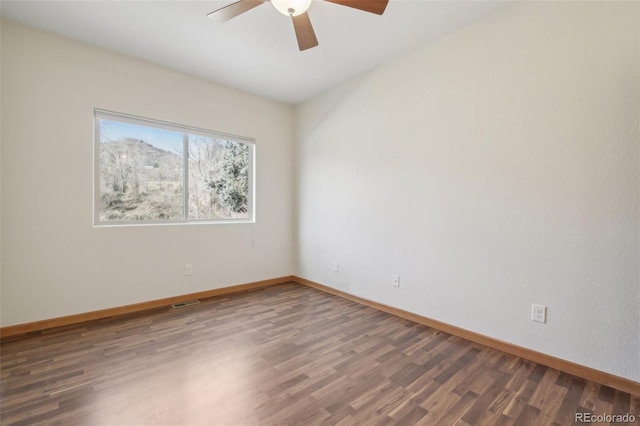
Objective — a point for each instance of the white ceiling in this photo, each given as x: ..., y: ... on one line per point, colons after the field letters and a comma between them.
x: 257, y: 51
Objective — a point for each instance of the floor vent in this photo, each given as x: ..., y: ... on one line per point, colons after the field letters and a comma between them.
x: 187, y: 303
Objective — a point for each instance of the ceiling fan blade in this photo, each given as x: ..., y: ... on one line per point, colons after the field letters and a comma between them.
x: 234, y: 9
x: 373, y: 6
x: 304, y: 31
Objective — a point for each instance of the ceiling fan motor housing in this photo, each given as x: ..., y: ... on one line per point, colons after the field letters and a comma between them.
x: 291, y: 7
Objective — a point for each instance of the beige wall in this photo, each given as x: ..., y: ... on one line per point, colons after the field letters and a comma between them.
x: 492, y: 169
x: 54, y: 261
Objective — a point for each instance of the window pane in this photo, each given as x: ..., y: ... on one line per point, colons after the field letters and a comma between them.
x: 142, y: 168
x: 218, y: 179
x: 141, y: 172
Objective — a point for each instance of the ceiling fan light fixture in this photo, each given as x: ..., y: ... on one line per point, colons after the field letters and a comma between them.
x: 291, y: 7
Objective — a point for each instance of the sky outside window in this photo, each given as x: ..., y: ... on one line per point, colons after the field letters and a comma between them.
x: 111, y: 131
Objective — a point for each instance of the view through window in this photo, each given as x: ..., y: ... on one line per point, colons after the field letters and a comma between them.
x: 155, y: 172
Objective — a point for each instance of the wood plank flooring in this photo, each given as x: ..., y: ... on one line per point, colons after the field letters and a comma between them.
x: 285, y: 354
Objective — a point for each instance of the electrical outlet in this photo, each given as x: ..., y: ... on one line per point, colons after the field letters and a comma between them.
x: 395, y: 280
x: 336, y: 266
x: 188, y: 270
x: 538, y: 313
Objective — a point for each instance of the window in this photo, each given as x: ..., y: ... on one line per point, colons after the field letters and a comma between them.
x: 149, y: 171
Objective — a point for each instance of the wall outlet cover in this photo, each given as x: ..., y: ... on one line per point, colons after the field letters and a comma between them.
x: 539, y: 313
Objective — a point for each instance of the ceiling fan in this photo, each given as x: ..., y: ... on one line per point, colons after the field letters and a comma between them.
x: 297, y: 10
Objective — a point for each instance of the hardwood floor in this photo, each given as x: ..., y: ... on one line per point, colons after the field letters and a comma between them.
x: 286, y: 354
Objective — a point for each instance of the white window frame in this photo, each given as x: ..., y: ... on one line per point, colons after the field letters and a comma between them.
x: 186, y: 130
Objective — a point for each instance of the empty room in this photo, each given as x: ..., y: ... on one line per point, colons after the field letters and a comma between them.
x: 337, y: 212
